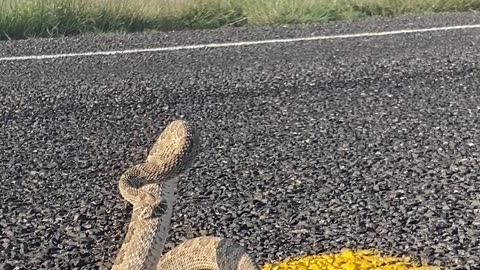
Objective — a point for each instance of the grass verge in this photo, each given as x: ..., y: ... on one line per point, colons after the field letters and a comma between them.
x: 21, y: 19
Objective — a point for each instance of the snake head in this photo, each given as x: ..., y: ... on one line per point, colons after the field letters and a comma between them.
x: 155, y: 210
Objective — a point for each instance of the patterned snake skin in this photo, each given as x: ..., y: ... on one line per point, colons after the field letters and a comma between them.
x: 150, y: 188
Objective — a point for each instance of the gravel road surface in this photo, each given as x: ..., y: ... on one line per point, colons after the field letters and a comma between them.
x: 309, y: 147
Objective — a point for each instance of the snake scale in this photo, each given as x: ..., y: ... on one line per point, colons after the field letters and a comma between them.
x: 150, y: 188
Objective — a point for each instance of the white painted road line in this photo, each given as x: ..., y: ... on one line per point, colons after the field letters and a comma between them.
x: 241, y: 43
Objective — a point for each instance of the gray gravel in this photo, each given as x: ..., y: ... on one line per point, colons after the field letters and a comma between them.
x: 308, y: 147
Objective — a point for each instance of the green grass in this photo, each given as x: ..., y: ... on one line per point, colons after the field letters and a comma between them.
x: 51, y: 18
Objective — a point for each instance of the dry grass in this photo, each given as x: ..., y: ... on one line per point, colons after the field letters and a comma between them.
x: 48, y: 18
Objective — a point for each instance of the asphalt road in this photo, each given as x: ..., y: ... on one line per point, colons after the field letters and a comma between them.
x: 309, y: 147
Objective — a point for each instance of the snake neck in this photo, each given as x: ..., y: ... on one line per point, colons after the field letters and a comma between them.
x: 145, y: 238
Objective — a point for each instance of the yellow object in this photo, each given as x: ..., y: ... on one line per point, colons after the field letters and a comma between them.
x: 348, y: 260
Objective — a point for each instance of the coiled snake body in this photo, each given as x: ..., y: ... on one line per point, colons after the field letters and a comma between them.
x: 150, y: 188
